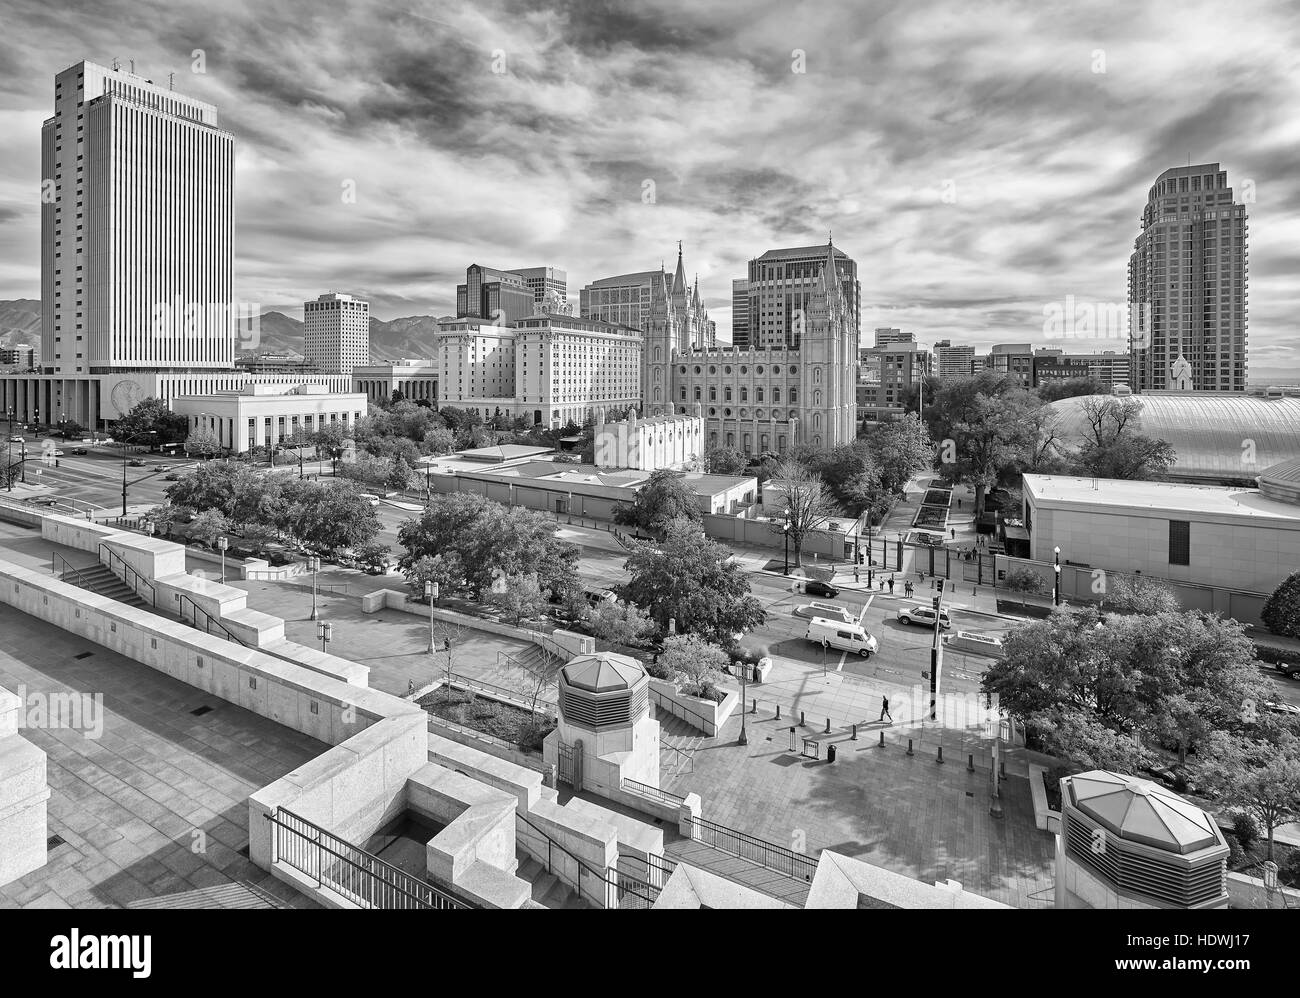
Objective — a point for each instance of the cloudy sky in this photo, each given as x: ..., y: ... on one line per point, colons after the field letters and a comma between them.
x: 979, y: 161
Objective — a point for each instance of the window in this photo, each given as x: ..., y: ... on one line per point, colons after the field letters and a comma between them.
x: 1180, y: 542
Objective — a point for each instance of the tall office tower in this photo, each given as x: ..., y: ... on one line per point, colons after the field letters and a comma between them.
x: 1187, y: 285
x: 782, y: 284
x: 544, y: 280
x: 498, y: 295
x: 137, y: 228
x: 886, y: 336
x: 336, y: 333
x: 740, y: 313
x: 624, y: 299
x: 953, y: 363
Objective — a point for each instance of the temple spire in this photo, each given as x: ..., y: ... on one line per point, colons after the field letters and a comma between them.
x: 679, y: 277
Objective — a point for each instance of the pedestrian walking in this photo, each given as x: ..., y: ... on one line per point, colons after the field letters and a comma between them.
x: 891, y: 585
x: 856, y: 578
x: 953, y: 531
x: 959, y: 504
x: 884, y: 710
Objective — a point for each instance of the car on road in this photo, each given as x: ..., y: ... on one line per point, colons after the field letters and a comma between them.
x: 841, y: 636
x: 816, y: 588
x: 369, y: 497
x: 160, y: 467
x: 15, y: 439
x: 135, y: 462
x: 56, y: 453
x: 45, y: 501
x: 828, y: 611
x: 924, y: 616
x: 1282, y: 707
x: 598, y: 596
x: 80, y: 450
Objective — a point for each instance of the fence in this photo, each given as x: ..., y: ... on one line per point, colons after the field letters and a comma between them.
x: 654, y: 793
x: 695, y: 720
x: 141, y: 586
x: 361, y: 877
x: 621, y: 891
x: 766, y: 854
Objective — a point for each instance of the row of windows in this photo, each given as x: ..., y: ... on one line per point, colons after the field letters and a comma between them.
x: 744, y: 394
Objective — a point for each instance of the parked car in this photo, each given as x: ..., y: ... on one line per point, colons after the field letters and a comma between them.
x: 841, y: 636
x: 160, y: 467
x: 828, y: 611
x: 815, y: 588
x: 924, y: 615
x: 597, y: 596
x: 1282, y: 707
x: 80, y: 450
x: 135, y: 462
x: 15, y: 439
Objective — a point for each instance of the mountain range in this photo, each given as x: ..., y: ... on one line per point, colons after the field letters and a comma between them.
x: 20, y: 323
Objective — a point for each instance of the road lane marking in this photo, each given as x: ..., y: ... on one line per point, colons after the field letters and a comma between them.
x: 843, y: 656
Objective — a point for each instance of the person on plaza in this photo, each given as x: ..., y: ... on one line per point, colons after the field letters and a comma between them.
x: 891, y: 585
x: 884, y: 710
x: 856, y: 577
x: 953, y: 531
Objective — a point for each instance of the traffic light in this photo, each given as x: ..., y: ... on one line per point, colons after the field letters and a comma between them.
x: 940, y: 585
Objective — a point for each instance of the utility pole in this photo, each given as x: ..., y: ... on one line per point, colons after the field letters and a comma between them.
x: 936, y: 655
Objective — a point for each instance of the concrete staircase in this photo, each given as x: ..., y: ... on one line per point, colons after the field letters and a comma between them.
x: 548, y: 890
x: 99, y: 579
x: 677, y: 744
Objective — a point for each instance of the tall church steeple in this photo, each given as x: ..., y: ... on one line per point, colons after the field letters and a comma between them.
x: 679, y: 276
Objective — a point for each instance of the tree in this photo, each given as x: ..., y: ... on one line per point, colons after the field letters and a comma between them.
x: 1071, y: 388
x: 725, y: 461
x: 1260, y: 776
x: 443, y: 570
x: 203, y: 441
x: 397, y: 397
x: 663, y: 498
x: 231, y: 487
x: 1113, y: 445
x: 207, y: 526
x: 695, y: 582
x: 152, y: 414
x: 1281, y: 613
x: 327, y: 516
x: 899, y: 449
x: 989, y: 439
x: 1140, y: 595
x: 621, y: 624
x: 808, y: 503
x: 519, y: 597
x: 698, y: 662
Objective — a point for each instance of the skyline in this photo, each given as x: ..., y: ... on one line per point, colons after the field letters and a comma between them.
x: 547, y: 162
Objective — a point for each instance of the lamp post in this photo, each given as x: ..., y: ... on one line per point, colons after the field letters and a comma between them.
x: 313, y: 564
x: 744, y: 676
x: 431, y: 594
x: 1056, y: 585
x: 324, y: 631
x: 125, y: 448
x: 222, y: 544
x: 785, y: 530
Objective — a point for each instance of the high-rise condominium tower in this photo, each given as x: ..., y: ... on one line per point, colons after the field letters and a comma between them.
x: 137, y: 228
x: 782, y: 283
x: 336, y: 333
x: 1187, y: 285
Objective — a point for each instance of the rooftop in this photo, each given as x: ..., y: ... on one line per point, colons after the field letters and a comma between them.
x: 1210, y: 500
x: 603, y: 672
x: 1143, y: 811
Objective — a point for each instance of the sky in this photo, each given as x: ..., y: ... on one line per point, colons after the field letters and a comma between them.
x: 982, y: 163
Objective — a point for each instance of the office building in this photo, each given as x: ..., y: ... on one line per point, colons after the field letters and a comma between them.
x: 885, y: 336
x: 1187, y: 285
x: 953, y: 363
x: 740, y: 313
x: 496, y: 295
x: 416, y: 379
x: 782, y: 285
x: 623, y: 300
x: 544, y: 282
x: 336, y: 333
x: 137, y: 232
x: 22, y: 357
x: 1013, y: 360
x: 894, y: 370
x: 797, y: 380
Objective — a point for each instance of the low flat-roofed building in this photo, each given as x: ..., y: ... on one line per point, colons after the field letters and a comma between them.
x: 1230, y: 538
x: 267, y: 414
x: 650, y: 444
x: 416, y: 379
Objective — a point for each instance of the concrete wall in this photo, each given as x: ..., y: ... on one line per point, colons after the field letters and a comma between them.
x: 24, y: 794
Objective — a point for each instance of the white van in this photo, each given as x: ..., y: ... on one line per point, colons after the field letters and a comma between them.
x: 845, y: 637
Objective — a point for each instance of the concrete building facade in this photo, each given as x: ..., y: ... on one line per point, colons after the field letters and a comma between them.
x: 266, y: 415
x: 624, y: 300
x: 336, y: 333
x: 416, y: 379
x: 1188, y: 285
x: 740, y: 313
x: 953, y: 362
x: 650, y: 444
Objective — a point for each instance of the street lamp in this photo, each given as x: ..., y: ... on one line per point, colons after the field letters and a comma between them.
x: 1056, y: 586
x: 324, y: 631
x: 785, y: 530
x: 125, y: 448
x: 222, y: 544
x: 744, y: 676
x: 313, y: 566
x: 431, y: 594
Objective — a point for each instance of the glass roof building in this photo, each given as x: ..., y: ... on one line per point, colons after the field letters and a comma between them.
x: 1218, y: 437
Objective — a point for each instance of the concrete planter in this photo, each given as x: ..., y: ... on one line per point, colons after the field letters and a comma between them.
x: 707, y: 716
x: 1045, y: 819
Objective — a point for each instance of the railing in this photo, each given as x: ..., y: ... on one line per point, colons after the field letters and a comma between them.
x: 361, y: 877
x: 140, y: 580
x: 766, y: 854
x: 513, y: 697
x: 551, y: 647
x: 210, y: 625
x: 672, y: 706
x: 684, y: 759
x: 653, y: 871
x: 57, y: 559
x: 620, y: 892
x: 655, y: 793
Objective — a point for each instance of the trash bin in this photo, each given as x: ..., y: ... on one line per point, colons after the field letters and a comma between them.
x: 830, y: 753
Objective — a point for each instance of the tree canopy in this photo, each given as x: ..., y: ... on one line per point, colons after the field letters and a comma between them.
x: 808, y: 503
x: 1115, y: 447
x: 152, y: 414
x: 1281, y: 613
x: 663, y: 498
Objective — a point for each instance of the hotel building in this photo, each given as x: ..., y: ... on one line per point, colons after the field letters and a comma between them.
x: 336, y: 333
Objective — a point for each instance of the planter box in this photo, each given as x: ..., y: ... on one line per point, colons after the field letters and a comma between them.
x: 1045, y: 819
x: 704, y: 715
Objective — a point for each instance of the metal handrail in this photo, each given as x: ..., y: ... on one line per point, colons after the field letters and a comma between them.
x: 639, y: 890
x: 513, y: 697
x: 211, y: 621
x: 672, y: 709
x: 367, y: 880
x: 756, y: 850
x: 140, y: 579
x: 68, y: 569
x: 645, y: 790
x: 550, y: 647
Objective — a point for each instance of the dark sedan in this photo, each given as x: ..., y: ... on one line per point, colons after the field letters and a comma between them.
x: 820, y: 589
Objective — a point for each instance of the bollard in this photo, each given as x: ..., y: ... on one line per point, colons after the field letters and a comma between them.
x: 940, y: 759
x: 970, y: 764
x: 855, y: 733
x: 754, y: 708
x: 778, y: 712
x: 1002, y: 768
x: 909, y: 746
x: 802, y: 722
x: 828, y: 727
x: 882, y: 739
